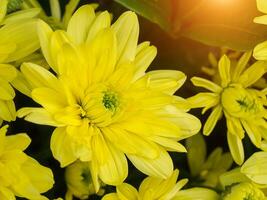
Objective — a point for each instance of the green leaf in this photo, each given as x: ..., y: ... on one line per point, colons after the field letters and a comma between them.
x: 227, y: 23
x: 157, y: 11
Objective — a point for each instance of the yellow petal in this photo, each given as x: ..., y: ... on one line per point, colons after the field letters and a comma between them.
x: 41, y: 177
x: 203, y: 99
x: 38, y: 116
x: 7, y: 110
x: 8, y: 72
x: 261, y: 20
x: 169, y: 144
x: 55, y: 9
x: 161, y: 167
x: 127, y: 31
x: 201, y: 82
x: 21, y: 84
x: 24, y: 35
x: 101, y: 22
x: 196, y: 194
x: 38, y: 76
x: 241, y: 65
x: 126, y: 192
x: 62, y: 152
x: 233, y: 176
x: 131, y: 143
x: 260, y: 51
x: 224, y: 70
x: 80, y: 23
x: 145, y: 54
x: 255, y: 168
x: 113, y: 168
x: 6, y: 193
x: 44, y: 34
x: 236, y: 148
x: 253, y: 132
x: 212, y: 120
x: 3, y: 9
x: 166, y: 81
x: 111, y: 196
x: 6, y: 91
x: 49, y: 99
x: 252, y: 74
x: 19, y: 141
x: 262, y: 6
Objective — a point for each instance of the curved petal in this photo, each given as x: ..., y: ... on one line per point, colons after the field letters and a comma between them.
x: 224, y: 70
x: 7, y: 110
x: 19, y: 141
x: 236, y: 148
x: 161, y: 167
x: 204, y: 83
x: 126, y: 192
x: 112, y: 163
x: 260, y: 51
x: 60, y: 147
x: 80, y: 23
x: 127, y: 31
x: 212, y: 120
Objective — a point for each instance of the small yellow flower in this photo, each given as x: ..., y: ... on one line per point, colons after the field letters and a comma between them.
x: 243, y: 191
x: 165, y: 189
x: 80, y: 182
x: 20, y: 174
x: 206, y: 170
x: 104, y: 105
x: 242, y: 105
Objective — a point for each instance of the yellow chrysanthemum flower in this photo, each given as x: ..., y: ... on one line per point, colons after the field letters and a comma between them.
x: 242, y: 106
x: 243, y: 191
x: 80, y: 182
x: 18, y: 38
x: 20, y: 174
x: 101, y: 100
x: 206, y: 170
x: 166, y: 189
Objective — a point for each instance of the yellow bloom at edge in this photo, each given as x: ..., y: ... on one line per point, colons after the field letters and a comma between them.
x: 80, y: 182
x: 242, y: 106
x: 18, y: 38
x: 101, y: 100
x: 20, y: 174
x: 260, y: 51
x: 206, y: 170
x: 165, y: 189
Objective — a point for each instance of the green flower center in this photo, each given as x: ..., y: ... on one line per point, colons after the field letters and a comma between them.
x: 240, y: 102
x: 14, y: 5
x: 86, y: 176
x: 110, y: 101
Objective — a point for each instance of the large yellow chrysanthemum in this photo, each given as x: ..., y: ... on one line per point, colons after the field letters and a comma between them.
x: 18, y: 38
x: 156, y: 188
x: 101, y: 100
x: 242, y: 106
x: 20, y: 174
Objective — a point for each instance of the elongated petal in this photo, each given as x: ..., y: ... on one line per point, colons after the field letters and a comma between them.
x: 261, y: 20
x: 100, y: 22
x: 62, y: 152
x: 8, y: 72
x: 224, y: 70
x: 19, y: 141
x: 3, y: 9
x: 260, y: 51
x: 24, y: 35
x: 201, y: 82
x: 233, y: 176
x: 113, y: 168
x: 41, y: 177
x: 145, y: 54
x: 252, y: 74
x: 131, y: 143
x: 127, y: 31
x: 38, y: 116
x: 111, y: 196
x: 253, y: 132
x: 6, y: 91
x: 241, y: 65
x: 196, y: 194
x: 7, y: 110
x: 203, y: 99
x: 236, y: 148
x: 212, y: 120
x: 166, y: 81
x: 168, y: 144
x: 161, y: 167
x: 21, y: 84
x: 126, y: 192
